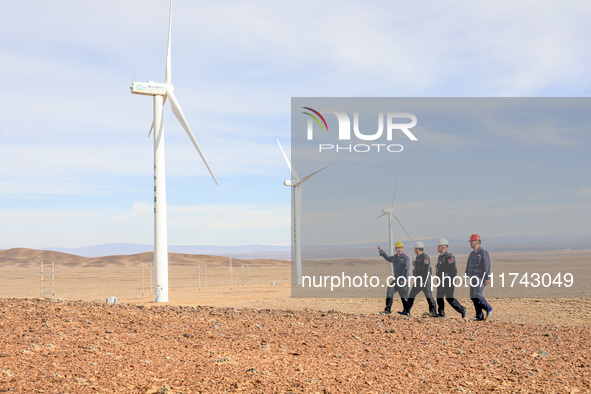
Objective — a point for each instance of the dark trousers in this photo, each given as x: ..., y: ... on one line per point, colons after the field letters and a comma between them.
x: 428, y: 295
x: 479, y: 301
x: 393, y: 288
x: 448, y: 293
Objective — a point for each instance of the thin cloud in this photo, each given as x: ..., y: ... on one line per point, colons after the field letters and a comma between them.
x: 70, y: 128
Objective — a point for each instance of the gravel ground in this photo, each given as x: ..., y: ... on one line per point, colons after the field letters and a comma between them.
x: 67, y: 347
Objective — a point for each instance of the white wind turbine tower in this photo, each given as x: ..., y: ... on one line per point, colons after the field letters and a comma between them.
x: 162, y: 91
x: 296, y: 186
x: 390, y: 212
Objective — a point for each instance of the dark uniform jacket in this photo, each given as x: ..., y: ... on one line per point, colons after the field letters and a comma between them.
x: 478, y: 264
x: 446, y: 264
x: 401, y: 264
x: 422, y: 268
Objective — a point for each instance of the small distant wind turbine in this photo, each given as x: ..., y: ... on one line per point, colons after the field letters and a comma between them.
x: 390, y: 212
x: 296, y: 184
x: 162, y: 91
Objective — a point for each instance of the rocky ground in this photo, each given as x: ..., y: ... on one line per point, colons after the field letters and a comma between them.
x: 67, y: 346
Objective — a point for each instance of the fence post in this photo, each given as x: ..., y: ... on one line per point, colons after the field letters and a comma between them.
x: 230, y: 273
x: 52, y: 280
x: 42, y: 279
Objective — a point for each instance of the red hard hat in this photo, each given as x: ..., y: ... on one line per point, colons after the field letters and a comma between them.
x: 475, y: 237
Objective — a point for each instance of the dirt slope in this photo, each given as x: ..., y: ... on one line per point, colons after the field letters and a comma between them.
x: 89, y: 347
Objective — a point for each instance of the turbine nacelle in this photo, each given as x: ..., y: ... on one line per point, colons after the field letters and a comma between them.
x: 151, y: 88
x: 293, y: 182
x: 391, y: 212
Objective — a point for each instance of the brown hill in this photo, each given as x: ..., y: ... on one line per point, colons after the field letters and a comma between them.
x: 25, y: 257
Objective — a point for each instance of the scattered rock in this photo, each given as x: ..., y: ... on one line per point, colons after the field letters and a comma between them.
x: 164, y: 389
x: 296, y: 351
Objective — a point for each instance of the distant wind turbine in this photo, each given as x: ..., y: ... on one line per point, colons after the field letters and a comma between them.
x: 390, y: 212
x: 296, y: 186
x: 162, y: 91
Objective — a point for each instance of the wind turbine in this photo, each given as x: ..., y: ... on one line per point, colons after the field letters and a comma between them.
x: 390, y: 212
x: 296, y: 186
x: 162, y: 91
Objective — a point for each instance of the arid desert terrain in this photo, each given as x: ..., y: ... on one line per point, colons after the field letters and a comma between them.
x: 250, y: 335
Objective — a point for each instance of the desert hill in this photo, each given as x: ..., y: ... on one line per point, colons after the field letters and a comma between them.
x: 208, y: 280
x: 25, y: 257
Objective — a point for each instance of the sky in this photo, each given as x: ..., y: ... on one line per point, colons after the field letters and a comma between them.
x: 494, y: 166
x: 78, y: 164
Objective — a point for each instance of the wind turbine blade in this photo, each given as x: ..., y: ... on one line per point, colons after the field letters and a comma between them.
x: 395, y: 182
x: 152, y: 127
x: 309, y: 176
x: 401, y: 225
x: 385, y: 213
x: 291, y: 169
x: 167, y: 73
x: 178, y: 112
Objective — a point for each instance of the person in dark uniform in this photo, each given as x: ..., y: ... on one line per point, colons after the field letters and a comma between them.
x: 478, y: 266
x: 446, y: 271
x: 422, y: 272
x: 401, y: 265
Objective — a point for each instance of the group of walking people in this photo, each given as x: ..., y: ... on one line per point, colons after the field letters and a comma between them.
x: 478, y: 265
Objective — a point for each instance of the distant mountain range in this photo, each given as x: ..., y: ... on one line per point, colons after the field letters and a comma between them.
x: 249, y: 252
x: 457, y: 246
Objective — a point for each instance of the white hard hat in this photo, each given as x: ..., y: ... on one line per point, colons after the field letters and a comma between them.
x: 443, y: 241
x: 419, y: 244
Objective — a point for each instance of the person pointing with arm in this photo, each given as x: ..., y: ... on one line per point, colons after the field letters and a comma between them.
x: 399, y: 283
